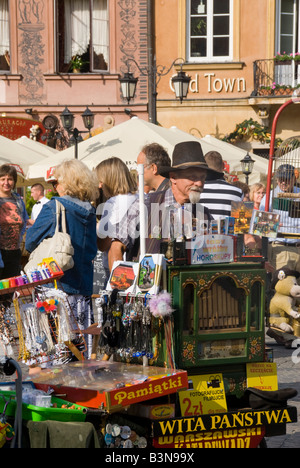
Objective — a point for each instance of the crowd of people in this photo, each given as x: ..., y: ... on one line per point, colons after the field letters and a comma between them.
x: 102, y: 211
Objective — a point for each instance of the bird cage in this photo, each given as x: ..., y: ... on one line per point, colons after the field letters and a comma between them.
x: 285, y: 193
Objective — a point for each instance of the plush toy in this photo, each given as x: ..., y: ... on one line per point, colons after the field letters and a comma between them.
x: 284, y: 314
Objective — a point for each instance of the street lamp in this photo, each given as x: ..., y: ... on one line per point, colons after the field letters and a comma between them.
x: 247, y: 166
x: 88, y: 119
x: 128, y: 83
x: 181, y: 85
x: 128, y: 86
x: 68, y: 119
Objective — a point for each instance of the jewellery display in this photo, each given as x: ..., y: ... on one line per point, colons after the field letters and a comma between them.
x: 7, y: 339
x: 38, y: 327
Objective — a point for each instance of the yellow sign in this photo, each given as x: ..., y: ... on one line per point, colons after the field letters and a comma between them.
x: 207, y: 397
x: 262, y: 375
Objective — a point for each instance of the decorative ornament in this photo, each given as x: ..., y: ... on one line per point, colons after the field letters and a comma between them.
x: 47, y: 306
x: 161, y: 305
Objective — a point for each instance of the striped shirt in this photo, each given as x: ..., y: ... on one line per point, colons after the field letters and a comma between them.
x: 217, y: 196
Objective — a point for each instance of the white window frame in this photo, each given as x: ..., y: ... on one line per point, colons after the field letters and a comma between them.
x: 296, y: 28
x: 210, y: 17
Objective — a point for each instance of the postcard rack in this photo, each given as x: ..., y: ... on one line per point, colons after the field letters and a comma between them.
x: 37, y: 324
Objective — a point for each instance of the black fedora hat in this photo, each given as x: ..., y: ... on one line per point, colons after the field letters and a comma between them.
x: 186, y: 155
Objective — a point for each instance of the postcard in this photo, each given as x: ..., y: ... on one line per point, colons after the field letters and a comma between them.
x: 242, y: 212
x: 264, y: 224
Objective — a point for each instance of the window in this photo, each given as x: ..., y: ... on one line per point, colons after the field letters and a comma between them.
x: 83, y: 35
x: 287, y: 27
x: 287, y: 40
x: 209, y: 30
x: 4, y: 36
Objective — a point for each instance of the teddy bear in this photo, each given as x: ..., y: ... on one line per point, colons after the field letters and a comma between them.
x: 284, y: 313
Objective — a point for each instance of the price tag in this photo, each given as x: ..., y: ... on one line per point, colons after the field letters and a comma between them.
x: 207, y: 397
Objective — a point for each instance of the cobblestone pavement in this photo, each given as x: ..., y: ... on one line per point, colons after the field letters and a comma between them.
x: 288, y: 376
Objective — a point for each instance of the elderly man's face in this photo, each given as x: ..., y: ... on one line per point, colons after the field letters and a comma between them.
x: 286, y: 184
x: 188, y: 184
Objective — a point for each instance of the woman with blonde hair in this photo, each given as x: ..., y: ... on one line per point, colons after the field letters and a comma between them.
x: 120, y: 192
x: 257, y: 192
x: 77, y: 188
x: 114, y: 178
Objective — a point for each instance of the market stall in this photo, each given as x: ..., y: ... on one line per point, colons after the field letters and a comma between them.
x: 180, y: 359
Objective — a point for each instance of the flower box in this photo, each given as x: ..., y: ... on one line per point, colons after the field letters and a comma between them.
x: 265, y: 92
x: 283, y: 62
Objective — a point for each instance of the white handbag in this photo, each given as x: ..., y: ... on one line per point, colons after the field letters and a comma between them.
x: 59, y: 246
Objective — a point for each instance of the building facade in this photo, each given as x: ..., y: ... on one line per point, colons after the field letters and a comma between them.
x: 228, y: 47
x: 69, y: 53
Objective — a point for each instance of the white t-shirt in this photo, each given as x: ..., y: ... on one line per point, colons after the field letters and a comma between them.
x: 114, y: 214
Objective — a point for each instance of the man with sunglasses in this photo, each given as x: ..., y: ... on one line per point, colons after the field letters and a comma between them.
x: 285, y: 249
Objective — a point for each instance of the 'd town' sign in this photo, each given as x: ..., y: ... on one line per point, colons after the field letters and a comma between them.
x: 16, y: 127
x: 211, y: 83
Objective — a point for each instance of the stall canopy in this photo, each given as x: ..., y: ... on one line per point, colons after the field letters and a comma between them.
x: 233, y: 155
x: 126, y: 140
x: 21, y: 156
x: 36, y: 146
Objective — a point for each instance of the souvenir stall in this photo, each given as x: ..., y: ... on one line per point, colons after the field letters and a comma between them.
x: 179, y: 352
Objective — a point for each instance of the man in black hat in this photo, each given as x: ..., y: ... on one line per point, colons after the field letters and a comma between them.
x: 170, y: 212
x: 176, y: 213
x: 218, y: 194
x: 284, y: 251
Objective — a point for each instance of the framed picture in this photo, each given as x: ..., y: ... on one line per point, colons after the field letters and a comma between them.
x: 123, y: 276
x: 150, y: 273
x: 242, y: 212
x: 264, y: 223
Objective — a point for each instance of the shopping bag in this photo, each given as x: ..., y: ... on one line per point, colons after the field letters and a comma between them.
x: 59, y: 246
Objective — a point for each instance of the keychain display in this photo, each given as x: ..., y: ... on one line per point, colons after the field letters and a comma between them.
x: 126, y: 327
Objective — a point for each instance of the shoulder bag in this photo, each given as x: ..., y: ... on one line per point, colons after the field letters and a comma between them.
x: 59, y: 246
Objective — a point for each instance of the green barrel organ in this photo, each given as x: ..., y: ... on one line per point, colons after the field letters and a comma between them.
x: 219, y: 315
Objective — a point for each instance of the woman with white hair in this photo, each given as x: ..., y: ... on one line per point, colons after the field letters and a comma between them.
x: 77, y: 188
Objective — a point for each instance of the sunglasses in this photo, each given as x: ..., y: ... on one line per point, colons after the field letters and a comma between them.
x: 54, y: 184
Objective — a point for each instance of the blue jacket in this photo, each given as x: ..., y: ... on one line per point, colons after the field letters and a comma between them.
x: 81, y: 225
